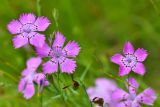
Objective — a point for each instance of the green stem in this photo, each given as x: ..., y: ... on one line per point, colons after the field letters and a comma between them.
x: 40, y: 95
x: 155, y: 6
x: 9, y: 75
x: 55, y: 17
x: 59, y: 80
x: 53, y: 83
x: 84, y: 88
x: 4, y: 62
x: 128, y: 81
x: 38, y: 7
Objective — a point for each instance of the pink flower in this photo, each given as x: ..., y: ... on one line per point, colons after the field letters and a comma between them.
x: 26, y: 29
x: 59, y: 55
x: 132, y: 60
x: 29, y: 75
x: 40, y: 79
x: 131, y: 99
x: 103, y: 90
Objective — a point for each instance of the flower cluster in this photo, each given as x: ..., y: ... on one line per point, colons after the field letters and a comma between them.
x: 106, y: 93
x: 132, y: 61
x: 101, y: 93
x: 30, y: 75
x: 26, y: 31
x: 131, y: 99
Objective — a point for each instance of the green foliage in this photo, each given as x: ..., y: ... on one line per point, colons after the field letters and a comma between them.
x: 100, y: 27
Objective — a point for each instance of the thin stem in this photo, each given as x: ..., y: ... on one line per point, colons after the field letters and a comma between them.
x: 112, y: 76
x: 38, y: 7
x: 155, y: 7
x: 59, y: 80
x: 55, y: 17
x: 53, y: 83
x: 84, y: 88
x: 61, y: 90
x: 128, y: 81
x: 10, y: 76
x: 85, y: 72
x: 11, y: 66
x: 8, y: 64
x: 41, y: 99
x: 51, y: 39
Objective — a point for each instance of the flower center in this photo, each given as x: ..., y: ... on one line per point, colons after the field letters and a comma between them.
x: 57, y: 54
x: 129, y: 60
x: 28, y: 28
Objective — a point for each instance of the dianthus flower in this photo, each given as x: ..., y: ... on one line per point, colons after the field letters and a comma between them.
x: 131, y: 61
x: 131, y: 99
x: 27, y: 30
x: 102, y: 92
x: 59, y: 55
x: 29, y: 76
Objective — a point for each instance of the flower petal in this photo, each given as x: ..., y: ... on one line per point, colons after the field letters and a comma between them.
x: 21, y: 85
x: 33, y: 63
x: 139, y: 69
x: 19, y: 41
x: 103, y: 89
x: 27, y: 18
x: 46, y: 83
x: 42, y: 23
x: 132, y: 86
x: 50, y: 67
x: 68, y: 66
x: 59, y: 40
x: 25, y: 72
x: 117, y: 59
x: 14, y: 27
x: 72, y: 49
x: 43, y: 51
x: 90, y: 92
x: 124, y: 70
x: 148, y: 96
x: 136, y: 104
x: 141, y: 54
x: 119, y: 95
x: 106, y: 84
x: 128, y: 48
x: 39, y: 78
x: 29, y: 91
x: 37, y: 40
x: 124, y: 104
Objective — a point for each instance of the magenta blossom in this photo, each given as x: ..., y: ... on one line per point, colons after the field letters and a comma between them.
x: 131, y: 60
x: 40, y: 79
x: 26, y: 29
x: 103, y: 89
x: 29, y: 75
x: 131, y: 99
x: 59, y: 55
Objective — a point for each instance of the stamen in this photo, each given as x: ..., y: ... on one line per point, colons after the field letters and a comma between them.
x: 130, y: 60
x: 28, y: 28
x: 58, y: 54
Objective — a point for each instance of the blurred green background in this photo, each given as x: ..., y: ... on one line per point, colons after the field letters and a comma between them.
x: 101, y: 27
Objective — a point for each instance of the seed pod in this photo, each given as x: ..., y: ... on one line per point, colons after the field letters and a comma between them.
x: 75, y: 85
x: 98, y: 101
